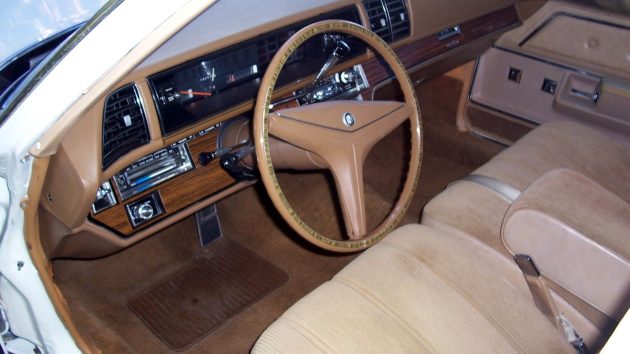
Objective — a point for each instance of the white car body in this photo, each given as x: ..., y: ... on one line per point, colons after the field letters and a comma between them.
x: 71, y: 82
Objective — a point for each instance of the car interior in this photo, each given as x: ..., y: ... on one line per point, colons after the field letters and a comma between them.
x: 351, y: 176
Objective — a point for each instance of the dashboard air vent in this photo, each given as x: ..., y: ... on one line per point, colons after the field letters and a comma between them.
x: 388, y: 18
x: 124, y: 124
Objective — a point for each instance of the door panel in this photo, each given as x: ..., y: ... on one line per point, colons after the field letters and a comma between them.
x: 567, y: 62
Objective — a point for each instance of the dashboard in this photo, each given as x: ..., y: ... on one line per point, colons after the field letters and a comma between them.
x: 166, y: 133
x: 210, y: 84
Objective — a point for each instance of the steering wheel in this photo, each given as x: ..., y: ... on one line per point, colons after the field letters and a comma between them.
x: 339, y: 133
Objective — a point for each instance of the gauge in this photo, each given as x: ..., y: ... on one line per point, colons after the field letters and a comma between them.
x: 195, y: 90
x: 206, y: 78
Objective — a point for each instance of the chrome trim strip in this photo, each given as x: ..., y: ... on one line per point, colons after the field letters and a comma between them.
x: 503, y: 189
x: 480, y: 134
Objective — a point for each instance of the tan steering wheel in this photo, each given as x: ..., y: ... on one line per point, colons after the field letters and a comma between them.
x: 339, y: 133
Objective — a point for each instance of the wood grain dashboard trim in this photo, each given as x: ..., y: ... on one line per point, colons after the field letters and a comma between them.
x: 429, y: 47
x: 176, y: 193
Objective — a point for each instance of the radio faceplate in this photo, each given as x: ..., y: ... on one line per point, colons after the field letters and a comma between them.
x: 153, y: 169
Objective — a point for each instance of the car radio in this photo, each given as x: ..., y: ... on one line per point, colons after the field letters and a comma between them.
x: 153, y: 169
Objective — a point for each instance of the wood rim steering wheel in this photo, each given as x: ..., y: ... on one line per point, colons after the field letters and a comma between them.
x: 341, y: 141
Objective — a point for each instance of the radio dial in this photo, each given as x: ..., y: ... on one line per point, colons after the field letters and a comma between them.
x: 145, y: 211
x: 347, y: 76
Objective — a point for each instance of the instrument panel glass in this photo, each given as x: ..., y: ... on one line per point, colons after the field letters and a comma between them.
x: 194, y: 90
x: 213, y: 83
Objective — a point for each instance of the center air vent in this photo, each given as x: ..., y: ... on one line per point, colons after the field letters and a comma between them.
x: 124, y: 124
x: 388, y: 18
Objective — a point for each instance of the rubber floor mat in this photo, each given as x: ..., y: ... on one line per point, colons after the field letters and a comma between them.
x: 186, y: 306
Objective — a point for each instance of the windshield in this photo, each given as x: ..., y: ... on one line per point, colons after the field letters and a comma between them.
x: 26, y: 22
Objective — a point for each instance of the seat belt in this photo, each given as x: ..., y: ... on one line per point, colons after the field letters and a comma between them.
x: 544, y: 303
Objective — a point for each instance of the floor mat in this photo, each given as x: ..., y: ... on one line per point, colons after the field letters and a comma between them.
x: 188, y: 305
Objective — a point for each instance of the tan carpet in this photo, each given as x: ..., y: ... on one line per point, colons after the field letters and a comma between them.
x: 97, y: 291
x: 188, y: 305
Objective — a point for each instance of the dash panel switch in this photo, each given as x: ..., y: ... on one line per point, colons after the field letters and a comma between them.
x: 515, y: 75
x: 145, y: 209
x: 549, y: 86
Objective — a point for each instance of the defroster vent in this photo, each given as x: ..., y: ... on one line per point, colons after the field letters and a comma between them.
x: 124, y: 124
x: 388, y: 18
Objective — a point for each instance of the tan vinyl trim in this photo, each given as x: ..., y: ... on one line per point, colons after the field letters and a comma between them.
x: 30, y: 205
x: 49, y: 142
x: 502, y: 189
x: 593, y: 273
x: 463, y: 73
x: 518, y: 39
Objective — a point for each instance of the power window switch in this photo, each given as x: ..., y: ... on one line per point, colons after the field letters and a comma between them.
x: 515, y: 75
x: 549, y: 86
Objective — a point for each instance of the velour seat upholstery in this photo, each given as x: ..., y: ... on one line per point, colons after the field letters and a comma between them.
x: 471, y: 207
x: 570, y: 216
x: 578, y: 233
x: 450, y: 285
x: 563, y: 144
x: 418, y: 290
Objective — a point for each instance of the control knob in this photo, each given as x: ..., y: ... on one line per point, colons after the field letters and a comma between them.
x: 347, y: 76
x: 144, y: 211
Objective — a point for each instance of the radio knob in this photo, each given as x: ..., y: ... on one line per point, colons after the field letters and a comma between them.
x: 347, y: 76
x: 145, y: 211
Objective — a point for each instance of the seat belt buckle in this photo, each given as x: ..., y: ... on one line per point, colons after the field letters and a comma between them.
x: 540, y: 294
x: 527, y: 265
x: 572, y: 336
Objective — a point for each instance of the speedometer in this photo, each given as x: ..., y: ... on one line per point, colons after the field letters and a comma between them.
x: 192, y: 90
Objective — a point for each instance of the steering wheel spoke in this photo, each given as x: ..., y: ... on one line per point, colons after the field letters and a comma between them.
x: 385, y: 124
x: 322, y: 126
x: 348, y: 174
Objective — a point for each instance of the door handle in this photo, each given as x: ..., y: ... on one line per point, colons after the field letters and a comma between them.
x: 579, y: 90
x: 590, y: 96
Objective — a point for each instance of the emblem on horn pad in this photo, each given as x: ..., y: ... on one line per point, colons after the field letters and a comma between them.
x: 348, y: 119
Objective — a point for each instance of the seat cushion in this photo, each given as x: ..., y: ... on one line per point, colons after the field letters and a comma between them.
x: 479, y: 211
x: 563, y: 144
x: 578, y: 233
x: 418, y: 291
